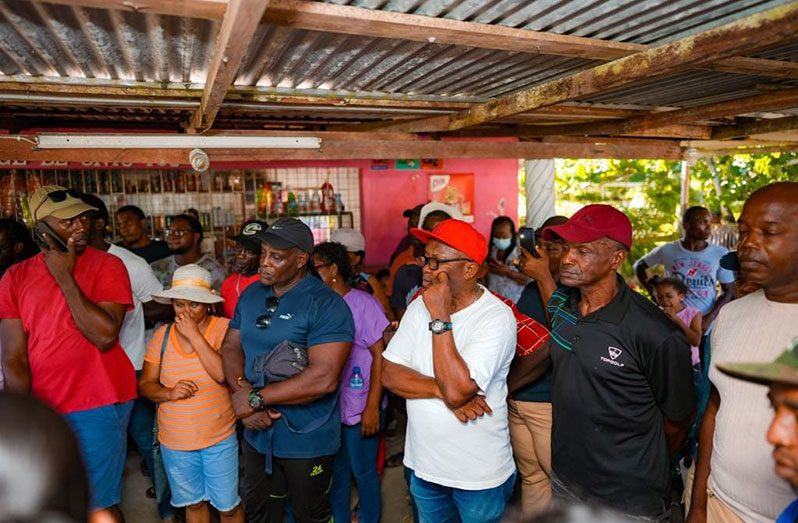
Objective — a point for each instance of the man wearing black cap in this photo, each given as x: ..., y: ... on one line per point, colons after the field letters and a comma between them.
x: 622, y: 393
x: 245, y: 265
x: 292, y: 426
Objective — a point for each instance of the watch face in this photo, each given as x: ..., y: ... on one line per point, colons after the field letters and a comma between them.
x: 436, y: 325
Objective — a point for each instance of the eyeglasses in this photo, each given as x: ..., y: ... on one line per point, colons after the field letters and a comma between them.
x: 57, y: 197
x: 434, y: 262
x: 177, y: 233
x: 264, y: 320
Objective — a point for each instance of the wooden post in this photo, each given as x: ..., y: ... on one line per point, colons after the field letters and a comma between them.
x: 540, y: 194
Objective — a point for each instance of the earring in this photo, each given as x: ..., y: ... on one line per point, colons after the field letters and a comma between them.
x: 334, y: 280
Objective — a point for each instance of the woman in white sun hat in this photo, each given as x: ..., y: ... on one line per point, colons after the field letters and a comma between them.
x: 183, y: 375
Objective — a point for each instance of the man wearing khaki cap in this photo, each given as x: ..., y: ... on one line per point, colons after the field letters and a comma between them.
x: 62, y: 311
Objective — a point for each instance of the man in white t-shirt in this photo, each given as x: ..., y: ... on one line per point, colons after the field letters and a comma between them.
x: 734, y: 476
x: 132, y: 335
x: 696, y: 262
x: 450, y: 359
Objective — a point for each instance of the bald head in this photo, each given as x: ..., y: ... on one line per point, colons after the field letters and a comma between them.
x: 768, y: 244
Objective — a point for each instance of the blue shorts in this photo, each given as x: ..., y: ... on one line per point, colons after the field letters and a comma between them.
x: 102, y: 436
x: 209, y: 474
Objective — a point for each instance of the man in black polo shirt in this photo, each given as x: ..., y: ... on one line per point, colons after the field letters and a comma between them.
x: 622, y: 393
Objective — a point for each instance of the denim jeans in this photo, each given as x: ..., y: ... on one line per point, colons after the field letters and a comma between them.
x: 358, y: 457
x: 142, y: 419
x: 439, y: 504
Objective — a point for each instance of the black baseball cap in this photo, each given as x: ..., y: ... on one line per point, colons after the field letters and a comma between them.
x: 730, y: 261
x: 286, y: 233
x: 415, y: 210
x: 247, y: 235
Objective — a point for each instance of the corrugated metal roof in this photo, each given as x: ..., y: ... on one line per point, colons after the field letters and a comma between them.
x: 638, y: 21
x: 42, y: 40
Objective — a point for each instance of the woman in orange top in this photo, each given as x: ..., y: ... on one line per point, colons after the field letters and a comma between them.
x: 195, y: 414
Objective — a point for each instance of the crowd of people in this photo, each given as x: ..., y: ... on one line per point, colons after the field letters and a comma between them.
x: 530, y: 373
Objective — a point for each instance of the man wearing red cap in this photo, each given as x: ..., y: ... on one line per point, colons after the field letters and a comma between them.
x: 450, y: 359
x: 622, y: 393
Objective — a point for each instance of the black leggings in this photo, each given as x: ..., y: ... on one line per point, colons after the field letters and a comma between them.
x: 304, y: 482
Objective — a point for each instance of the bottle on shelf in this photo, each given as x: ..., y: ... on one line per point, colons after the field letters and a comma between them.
x: 293, y: 207
x: 265, y: 201
x: 356, y: 381
x: 327, y: 197
x: 339, y: 203
x: 315, y: 203
x: 278, y: 209
x: 304, y: 203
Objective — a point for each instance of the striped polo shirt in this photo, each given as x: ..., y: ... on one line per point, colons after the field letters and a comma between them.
x: 205, y: 418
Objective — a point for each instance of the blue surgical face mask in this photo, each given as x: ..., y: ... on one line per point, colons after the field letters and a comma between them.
x: 502, y: 243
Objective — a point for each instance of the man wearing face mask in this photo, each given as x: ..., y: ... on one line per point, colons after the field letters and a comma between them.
x: 245, y: 265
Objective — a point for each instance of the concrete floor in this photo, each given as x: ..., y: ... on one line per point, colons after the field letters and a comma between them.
x: 137, y: 508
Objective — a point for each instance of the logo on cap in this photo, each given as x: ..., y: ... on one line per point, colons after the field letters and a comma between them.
x: 252, y: 228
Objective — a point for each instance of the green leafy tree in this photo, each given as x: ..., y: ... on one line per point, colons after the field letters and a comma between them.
x: 649, y: 190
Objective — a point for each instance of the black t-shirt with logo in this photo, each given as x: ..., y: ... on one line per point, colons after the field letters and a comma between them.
x: 616, y: 373
x: 153, y: 251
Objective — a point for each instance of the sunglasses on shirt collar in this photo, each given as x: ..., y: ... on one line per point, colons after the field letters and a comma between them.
x: 265, y: 320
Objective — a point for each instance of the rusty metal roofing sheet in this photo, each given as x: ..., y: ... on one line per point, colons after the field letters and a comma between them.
x: 640, y: 21
x: 42, y: 40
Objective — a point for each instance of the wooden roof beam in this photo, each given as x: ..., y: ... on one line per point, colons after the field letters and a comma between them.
x: 357, y: 21
x: 235, y: 36
x: 764, y: 126
x: 359, y: 149
x: 747, y: 35
x: 204, y: 9
x: 770, y: 101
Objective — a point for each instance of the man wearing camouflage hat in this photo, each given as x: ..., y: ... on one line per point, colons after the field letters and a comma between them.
x: 782, y: 377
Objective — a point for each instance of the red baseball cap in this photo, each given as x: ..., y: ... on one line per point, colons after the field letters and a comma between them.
x: 593, y: 222
x: 458, y: 235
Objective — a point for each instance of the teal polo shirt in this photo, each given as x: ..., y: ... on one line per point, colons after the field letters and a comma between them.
x: 308, y: 314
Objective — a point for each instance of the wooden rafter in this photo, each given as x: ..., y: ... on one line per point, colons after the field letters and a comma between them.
x: 356, y: 21
x: 764, y: 126
x: 235, y: 36
x: 771, y: 101
x: 764, y: 29
x: 356, y: 147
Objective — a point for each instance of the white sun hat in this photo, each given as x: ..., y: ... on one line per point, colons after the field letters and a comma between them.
x: 453, y: 212
x: 349, y: 238
x: 189, y: 282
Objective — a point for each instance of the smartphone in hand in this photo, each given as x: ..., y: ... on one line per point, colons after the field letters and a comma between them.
x: 526, y: 239
x: 43, y: 229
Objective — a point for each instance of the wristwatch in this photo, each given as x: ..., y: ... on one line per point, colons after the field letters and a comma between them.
x: 439, y: 326
x: 256, y: 400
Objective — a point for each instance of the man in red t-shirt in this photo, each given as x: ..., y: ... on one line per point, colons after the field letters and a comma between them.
x: 245, y: 265
x: 62, y: 311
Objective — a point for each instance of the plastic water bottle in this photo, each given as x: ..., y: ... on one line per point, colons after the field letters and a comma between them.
x: 356, y: 381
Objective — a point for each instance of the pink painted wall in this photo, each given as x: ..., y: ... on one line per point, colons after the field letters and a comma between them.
x: 385, y: 194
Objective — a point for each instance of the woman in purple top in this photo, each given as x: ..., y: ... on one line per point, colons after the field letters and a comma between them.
x: 361, y: 391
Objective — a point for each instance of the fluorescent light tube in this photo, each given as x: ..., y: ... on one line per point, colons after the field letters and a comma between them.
x: 172, y: 141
